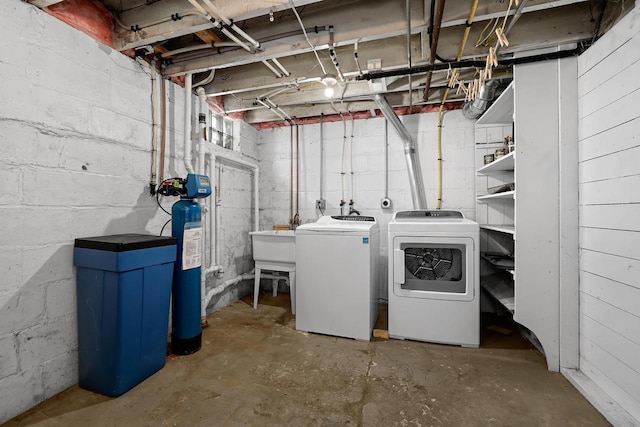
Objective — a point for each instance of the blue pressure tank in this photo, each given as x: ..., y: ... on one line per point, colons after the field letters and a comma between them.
x: 186, y: 330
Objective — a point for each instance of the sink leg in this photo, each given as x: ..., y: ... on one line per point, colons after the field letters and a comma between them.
x: 292, y: 290
x: 256, y: 288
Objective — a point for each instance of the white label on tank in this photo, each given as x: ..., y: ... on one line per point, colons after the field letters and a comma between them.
x: 192, y: 248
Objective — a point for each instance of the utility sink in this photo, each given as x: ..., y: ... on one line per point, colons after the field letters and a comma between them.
x: 274, y: 246
x: 275, y: 250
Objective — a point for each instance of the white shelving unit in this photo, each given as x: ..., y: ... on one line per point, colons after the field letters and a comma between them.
x: 507, y: 229
x: 504, y: 195
x: 504, y: 163
x: 531, y: 223
x: 497, y: 209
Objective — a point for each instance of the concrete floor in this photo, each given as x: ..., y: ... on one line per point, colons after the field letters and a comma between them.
x: 255, y: 369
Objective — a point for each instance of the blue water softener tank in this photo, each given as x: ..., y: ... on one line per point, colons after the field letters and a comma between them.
x: 186, y: 331
x: 123, y: 289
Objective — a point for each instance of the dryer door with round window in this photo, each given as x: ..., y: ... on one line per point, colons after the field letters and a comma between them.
x: 433, y: 267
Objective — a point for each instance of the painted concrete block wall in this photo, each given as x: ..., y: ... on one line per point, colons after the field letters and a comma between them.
x: 609, y: 174
x: 75, y: 137
x: 235, y: 187
x: 368, y: 145
x: 75, y: 134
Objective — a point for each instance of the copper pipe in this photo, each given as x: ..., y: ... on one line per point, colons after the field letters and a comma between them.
x: 163, y: 142
x: 434, y: 44
x: 291, y: 176
x: 409, y: 64
x: 297, y: 173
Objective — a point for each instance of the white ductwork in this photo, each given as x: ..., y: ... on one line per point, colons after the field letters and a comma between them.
x: 410, y: 152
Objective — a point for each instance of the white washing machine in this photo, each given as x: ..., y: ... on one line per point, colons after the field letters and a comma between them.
x: 434, y: 277
x: 336, y: 268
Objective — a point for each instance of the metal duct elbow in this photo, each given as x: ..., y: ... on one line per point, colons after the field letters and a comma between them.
x: 474, y: 109
x: 410, y: 152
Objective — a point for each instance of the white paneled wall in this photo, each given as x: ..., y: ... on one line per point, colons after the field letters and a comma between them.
x: 609, y: 197
x: 368, y: 170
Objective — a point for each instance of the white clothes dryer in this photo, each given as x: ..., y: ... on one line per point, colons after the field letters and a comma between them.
x: 434, y: 277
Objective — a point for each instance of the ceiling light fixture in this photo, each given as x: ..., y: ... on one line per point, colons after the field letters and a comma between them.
x: 329, y: 82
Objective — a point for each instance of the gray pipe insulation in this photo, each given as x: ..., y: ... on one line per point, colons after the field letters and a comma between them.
x: 410, y: 152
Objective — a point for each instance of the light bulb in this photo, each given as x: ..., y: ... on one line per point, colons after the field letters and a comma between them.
x: 328, y: 91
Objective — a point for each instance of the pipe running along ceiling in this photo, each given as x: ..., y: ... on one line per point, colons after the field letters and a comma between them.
x: 269, y: 57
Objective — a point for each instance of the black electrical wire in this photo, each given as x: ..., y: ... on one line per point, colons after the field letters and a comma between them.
x: 164, y: 193
x: 161, y: 207
x: 469, y: 64
x: 165, y: 224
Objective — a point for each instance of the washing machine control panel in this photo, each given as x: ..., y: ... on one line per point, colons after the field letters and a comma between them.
x: 429, y: 214
x: 354, y: 218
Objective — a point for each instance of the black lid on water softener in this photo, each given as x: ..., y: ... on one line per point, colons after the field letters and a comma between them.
x: 124, y: 242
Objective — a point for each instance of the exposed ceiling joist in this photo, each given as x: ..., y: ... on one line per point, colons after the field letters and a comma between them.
x: 195, y: 36
x: 158, y: 11
x: 43, y: 3
x: 561, y: 25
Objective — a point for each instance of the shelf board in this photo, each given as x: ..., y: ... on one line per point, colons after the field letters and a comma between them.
x: 509, y: 229
x: 498, y: 196
x: 499, y: 262
x: 501, y: 111
x: 504, y: 163
x: 501, y: 289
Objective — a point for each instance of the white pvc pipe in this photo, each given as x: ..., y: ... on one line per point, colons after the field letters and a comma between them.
x: 214, y: 235
x: 239, y: 278
x: 284, y: 70
x: 213, y: 260
x: 218, y: 219
x: 211, y: 263
x: 233, y: 26
x: 200, y: 169
x: 188, y: 80
x: 197, y: 6
x: 256, y: 199
x: 247, y: 37
x: 185, y: 50
x: 272, y: 68
x: 202, y: 97
x: 227, y: 283
x: 236, y: 39
x: 206, y: 80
